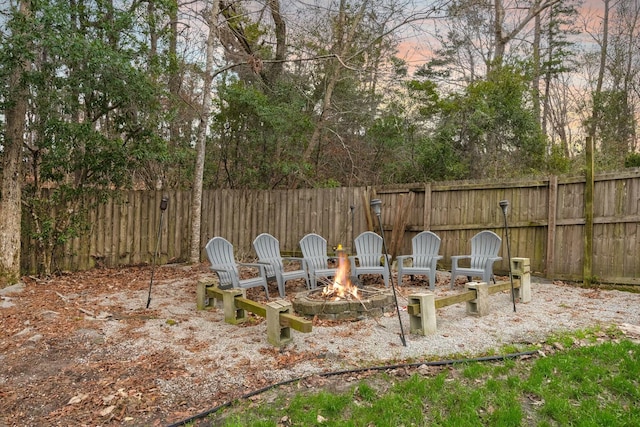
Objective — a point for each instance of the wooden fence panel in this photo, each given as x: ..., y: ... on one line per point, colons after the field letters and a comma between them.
x: 545, y: 218
x: 615, y: 249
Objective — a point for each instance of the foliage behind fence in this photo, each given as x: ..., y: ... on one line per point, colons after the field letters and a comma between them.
x: 545, y: 217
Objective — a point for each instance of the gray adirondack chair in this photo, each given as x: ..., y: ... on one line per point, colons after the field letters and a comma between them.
x: 484, y: 252
x: 369, y: 256
x: 314, y: 252
x: 223, y: 263
x: 423, y: 259
x: 267, y: 248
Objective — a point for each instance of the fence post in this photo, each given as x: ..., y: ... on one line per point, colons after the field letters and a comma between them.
x: 480, y: 305
x: 422, y: 313
x: 276, y: 333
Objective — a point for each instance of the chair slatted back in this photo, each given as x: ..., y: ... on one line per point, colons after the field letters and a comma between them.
x: 426, y: 245
x: 267, y: 248
x: 314, y: 250
x: 369, y: 248
x: 486, y: 244
x: 220, y: 254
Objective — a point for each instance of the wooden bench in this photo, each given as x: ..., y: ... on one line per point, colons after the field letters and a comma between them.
x: 280, y: 319
x: 422, y: 306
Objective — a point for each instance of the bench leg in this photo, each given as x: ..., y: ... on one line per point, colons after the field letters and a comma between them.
x: 277, y: 334
x: 202, y: 300
x: 422, y: 313
x: 480, y: 305
x: 232, y: 314
x: 521, y: 269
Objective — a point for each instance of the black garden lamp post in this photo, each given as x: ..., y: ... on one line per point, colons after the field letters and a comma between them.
x: 376, y: 206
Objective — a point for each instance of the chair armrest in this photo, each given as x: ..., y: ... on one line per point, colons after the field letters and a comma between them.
x: 352, y: 263
x: 456, y: 258
x: 400, y: 259
x: 222, y: 271
x: 493, y: 259
x: 294, y: 259
x: 221, y: 268
x: 260, y: 266
x: 434, y: 261
x: 266, y: 265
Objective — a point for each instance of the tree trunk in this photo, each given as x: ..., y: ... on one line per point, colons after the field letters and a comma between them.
x: 196, y: 202
x: 11, y: 187
x: 500, y: 38
x: 281, y: 42
x: 11, y: 195
x: 590, y: 153
x: 342, y: 43
x: 535, y: 81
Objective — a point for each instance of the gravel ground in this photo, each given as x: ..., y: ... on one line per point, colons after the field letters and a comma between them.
x: 241, y: 357
x: 82, y: 349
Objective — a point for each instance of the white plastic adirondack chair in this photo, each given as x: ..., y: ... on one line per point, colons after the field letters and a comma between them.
x: 369, y: 248
x: 484, y: 252
x: 267, y: 248
x: 314, y: 251
x: 424, y: 258
x: 220, y: 254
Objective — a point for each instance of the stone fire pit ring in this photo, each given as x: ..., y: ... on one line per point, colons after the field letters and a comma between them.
x: 373, y: 302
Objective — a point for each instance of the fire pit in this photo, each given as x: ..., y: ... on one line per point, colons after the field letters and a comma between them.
x: 342, y: 300
x: 373, y: 302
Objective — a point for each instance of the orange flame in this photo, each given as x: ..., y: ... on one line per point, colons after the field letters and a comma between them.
x: 341, y: 286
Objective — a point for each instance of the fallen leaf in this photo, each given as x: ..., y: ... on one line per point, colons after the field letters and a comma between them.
x: 106, y: 411
x: 77, y: 399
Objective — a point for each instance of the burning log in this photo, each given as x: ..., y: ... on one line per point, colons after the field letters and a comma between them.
x: 341, y: 288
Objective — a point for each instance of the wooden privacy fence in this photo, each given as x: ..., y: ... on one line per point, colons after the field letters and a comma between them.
x: 546, y: 223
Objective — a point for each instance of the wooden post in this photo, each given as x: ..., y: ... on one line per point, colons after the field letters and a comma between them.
x: 402, y: 216
x: 587, y: 262
x: 426, y: 214
x: 552, y: 215
x: 366, y: 197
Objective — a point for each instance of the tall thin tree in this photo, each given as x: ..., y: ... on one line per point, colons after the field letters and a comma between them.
x: 15, y: 111
x: 203, y: 125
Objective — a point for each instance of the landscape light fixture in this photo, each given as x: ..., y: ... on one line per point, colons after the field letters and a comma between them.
x: 163, y: 207
x: 504, y: 205
x: 376, y: 206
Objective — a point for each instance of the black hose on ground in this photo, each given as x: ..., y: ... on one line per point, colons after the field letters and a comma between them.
x: 352, y: 371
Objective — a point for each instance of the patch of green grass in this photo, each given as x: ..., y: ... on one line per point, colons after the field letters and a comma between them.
x: 596, y: 385
x: 586, y: 385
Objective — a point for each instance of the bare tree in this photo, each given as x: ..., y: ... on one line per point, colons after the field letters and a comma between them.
x: 503, y: 36
x: 342, y: 43
x: 593, y: 122
x: 203, y: 126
